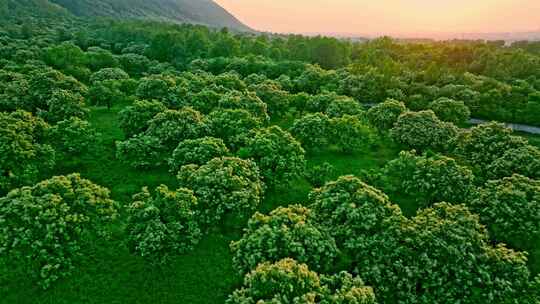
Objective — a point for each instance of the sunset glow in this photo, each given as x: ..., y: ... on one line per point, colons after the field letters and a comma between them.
x: 398, y: 17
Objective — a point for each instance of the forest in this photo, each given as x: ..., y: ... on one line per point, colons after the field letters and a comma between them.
x: 152, y: 162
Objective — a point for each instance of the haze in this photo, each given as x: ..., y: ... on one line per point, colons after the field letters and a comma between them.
x: 387, y: 17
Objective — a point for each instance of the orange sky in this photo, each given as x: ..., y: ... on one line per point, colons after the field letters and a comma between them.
x: 376, y: 17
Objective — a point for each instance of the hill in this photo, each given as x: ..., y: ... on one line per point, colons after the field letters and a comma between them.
x: 205, y: 12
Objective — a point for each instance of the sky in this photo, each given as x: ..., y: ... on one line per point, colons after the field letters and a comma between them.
x: 387, y: 17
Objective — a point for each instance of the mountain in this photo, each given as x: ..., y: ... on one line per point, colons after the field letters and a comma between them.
x: 205, y: 12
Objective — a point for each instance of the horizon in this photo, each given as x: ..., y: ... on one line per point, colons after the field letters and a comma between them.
x: 416, y: 18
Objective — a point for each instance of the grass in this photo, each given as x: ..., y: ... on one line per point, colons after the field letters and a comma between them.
x: 110, y: 274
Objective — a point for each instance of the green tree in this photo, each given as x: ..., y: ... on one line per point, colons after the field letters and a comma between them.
x: 224, y: 186
x: 57, y: 216
x: 135, y: 119
x: 429, y: 179
x: 163, y: 224
x: 423, y: 130
x: 279, y: 156
x: 451, y: 110
x: 289, y: 282
x: 384, y: 115
x: 349, y: 134
x: 510, y: 208
x: 312, y: 131
x: 24, y: 152
x: 289, y: 232
x: 197, y: 151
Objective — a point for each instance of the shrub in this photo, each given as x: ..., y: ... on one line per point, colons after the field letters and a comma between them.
x: 384, y: 115
x: 162, y: 225
x: 279, y: 156
x: 422, y: 131
x: 197, y: 151
x: 45, y: 226
x: 510, y: 208
x: 429, y: 179
x: 224, y: 186
x: 312, y: 131
x: 135, y: 119
x: 285, y: 233
x: 349, y: 134
x: 451, y: 110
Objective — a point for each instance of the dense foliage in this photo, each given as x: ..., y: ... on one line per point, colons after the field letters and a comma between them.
x: 423, y: 131
x: 289, y: 282
x: 223, y: 186
x: 510, y: 209
x: 279, y: 156
x: 429, y: 179
x: 284, y: 233
x: 163, y: 224
x: 45, y: 226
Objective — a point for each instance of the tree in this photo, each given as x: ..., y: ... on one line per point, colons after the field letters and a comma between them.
x: 445, y: 254
x: 384, y: 115
x: 108, y: 74
x: 231, y: 126
x: 73, y: 137
x: 141, y: 151
x: 289, y: 282
x: 134, y: 64
x: 422, y: 131
x: 162, y: 225
x: 24, y: 152
x: 342, y: 106
x: 107, y: 92
x: 289, y: 232
x: 174, y: 126
x: 312, y: 131
x: 279, y: 156
x: 429, y: 179
x: 524, y: 160
x: 484, y: 144
x: 360, y: 217
x: 57, y: 216
x: 247, y: 101
x: 224, y: 186
x: 349, y: 134
x: 158, y: 87
x: 510, y: 208
x: 197, y: 151
x: 276, y: 99
x: 64, y: 105
x: 451, y: 110
x: 135, y: 119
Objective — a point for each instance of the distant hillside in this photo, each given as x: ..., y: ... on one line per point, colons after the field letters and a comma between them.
x: 205, y: 12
